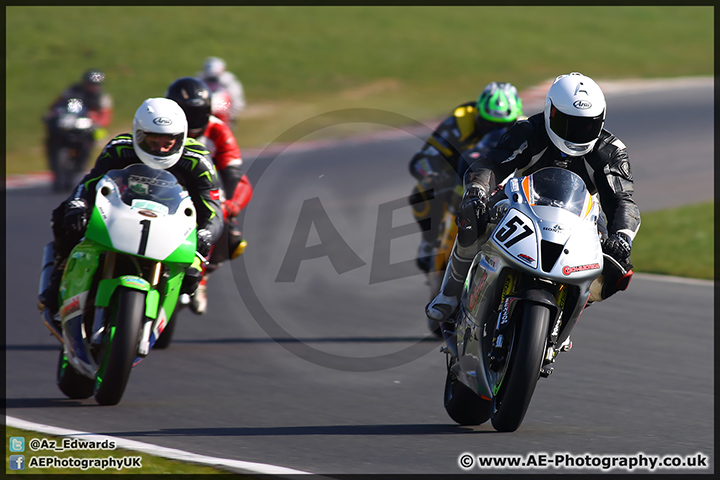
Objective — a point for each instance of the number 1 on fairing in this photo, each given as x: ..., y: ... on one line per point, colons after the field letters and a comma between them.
x: 144, y: 236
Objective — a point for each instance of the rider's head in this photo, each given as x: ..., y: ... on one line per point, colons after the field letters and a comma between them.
x: 92, y: 80
x: 194, y: 97
x: 159, y: 132
x: 574, y: 113
x: 213, y: 67
x: 499, y: 104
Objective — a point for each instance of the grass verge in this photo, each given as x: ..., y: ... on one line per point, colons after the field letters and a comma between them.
x: 678, y: 241
x: 295, y: 62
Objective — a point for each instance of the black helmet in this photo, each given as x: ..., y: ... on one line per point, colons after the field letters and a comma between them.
x: 193, y: 95
x: 93, y: 76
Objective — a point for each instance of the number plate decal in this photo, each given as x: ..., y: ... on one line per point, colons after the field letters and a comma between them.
x: 516, y: 235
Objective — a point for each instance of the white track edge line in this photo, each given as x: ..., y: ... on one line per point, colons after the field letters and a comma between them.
x: 156, y: 450
x: 672, y: 279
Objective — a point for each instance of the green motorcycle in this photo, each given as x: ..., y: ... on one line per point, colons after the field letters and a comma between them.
x: 121, y: 283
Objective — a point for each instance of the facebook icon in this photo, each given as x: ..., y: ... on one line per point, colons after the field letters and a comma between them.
x: 17, y: 462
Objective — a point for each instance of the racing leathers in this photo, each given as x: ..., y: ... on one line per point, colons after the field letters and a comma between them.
x: 194, y: 170
x: 99, y: 103
x: 225, y: 153
x: 439, y: 167
x: 524, y: 149
x: 99, y: 107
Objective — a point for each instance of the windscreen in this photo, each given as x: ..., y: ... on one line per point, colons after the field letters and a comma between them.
x: 139, y: 184
x: 557, y: 187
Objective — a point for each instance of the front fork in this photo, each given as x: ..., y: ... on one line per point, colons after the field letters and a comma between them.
x: 151, y: 310
x: 509, y: 301
x: 144, y: 346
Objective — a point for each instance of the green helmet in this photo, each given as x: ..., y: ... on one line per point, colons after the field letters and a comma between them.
x: 499, y: 103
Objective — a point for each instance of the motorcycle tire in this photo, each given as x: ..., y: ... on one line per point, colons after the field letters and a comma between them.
x: 525, y: 362
x: 463, y: 405
x: 73, y: 384
x: 120, y: 345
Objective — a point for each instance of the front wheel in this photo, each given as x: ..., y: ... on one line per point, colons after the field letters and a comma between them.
x: 523, y: 371
x: 463, y: 405
x: 119, y: 346
x: 70, y: 382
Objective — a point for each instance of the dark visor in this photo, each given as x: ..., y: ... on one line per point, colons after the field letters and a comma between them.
x: 575, y: 129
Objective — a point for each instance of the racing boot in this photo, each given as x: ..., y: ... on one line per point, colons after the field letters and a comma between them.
x: 441, y: 308
x: 198, y: 302
x: 236, y: 244
x: 53, y: 268
x: 48, y: 298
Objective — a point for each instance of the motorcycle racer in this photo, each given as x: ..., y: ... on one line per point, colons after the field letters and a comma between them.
x: 159, y: 139
x: 440, y: 165
x: 98, y: 104
x: 215, y: 74
x: 194, y: 97
x: 570, y: 134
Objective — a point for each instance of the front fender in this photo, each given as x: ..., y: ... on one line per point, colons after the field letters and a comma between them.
x: 107, y: 287
x: 535, y: 295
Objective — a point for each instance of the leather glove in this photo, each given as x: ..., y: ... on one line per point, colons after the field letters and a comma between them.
x: 618, y: 246
x: 204, y: 242
x: 472, y: 215
x: 76, y: 216
x: 616, y: 278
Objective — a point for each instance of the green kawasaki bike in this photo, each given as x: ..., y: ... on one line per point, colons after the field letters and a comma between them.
x: 121, y: 283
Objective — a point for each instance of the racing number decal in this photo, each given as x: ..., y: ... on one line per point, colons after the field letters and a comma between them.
x: 508, y: 230
x: 144, y: 236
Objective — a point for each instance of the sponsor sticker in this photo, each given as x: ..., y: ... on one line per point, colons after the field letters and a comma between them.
x: 567, y: 270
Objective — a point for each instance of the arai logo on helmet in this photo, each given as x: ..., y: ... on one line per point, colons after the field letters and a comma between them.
x: 582, y: 104
x: 162, y: 121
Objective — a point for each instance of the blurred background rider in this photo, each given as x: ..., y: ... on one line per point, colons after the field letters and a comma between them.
x: 194, y: 97
x: 93, y: 102
x: 439, y: 165
x: 228, y: 93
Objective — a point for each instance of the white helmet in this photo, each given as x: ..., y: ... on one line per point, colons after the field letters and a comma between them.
x: 574, y: 113
x: 160, y: 116
x: 213, y: 67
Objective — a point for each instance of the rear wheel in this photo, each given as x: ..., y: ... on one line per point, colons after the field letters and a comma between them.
x: 523, y: 371
x: 119, y: 346
x: 70, y: 382
x: 463, y: 405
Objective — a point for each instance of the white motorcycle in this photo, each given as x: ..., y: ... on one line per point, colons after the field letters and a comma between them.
x: 523, y: 295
